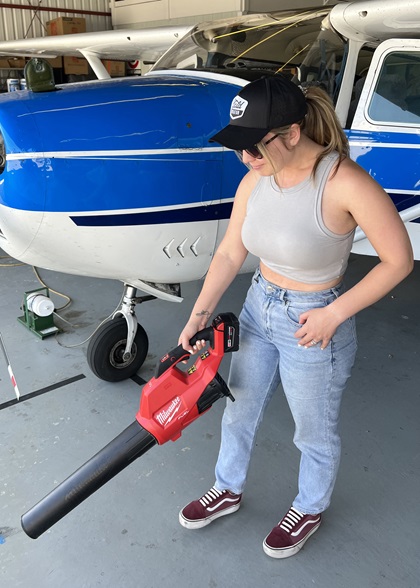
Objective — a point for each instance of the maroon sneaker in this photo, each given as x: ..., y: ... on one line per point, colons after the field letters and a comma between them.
x: 211, y: 506
x: 291, y: 534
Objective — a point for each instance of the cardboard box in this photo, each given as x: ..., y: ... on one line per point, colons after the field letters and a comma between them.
x: 75, y: 65
x: 114, y: 68
x: 55, y: 61
x: 65, y: 25
x: 12, y: 62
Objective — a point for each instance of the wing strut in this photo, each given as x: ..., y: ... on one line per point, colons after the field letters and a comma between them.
x: 96, y: 64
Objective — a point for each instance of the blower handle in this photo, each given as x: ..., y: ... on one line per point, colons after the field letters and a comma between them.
x: 179, y: 353
x: 206, y: 334
x: 225, y: 322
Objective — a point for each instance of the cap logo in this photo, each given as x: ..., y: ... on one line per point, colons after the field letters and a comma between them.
x: 237, y: 110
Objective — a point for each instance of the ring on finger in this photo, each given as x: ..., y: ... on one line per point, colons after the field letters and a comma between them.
x: 313, y: 342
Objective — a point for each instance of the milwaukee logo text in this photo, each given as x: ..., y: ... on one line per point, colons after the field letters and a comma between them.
x: 167, y: 414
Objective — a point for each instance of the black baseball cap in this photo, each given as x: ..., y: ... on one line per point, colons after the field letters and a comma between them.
x: 263, y: 105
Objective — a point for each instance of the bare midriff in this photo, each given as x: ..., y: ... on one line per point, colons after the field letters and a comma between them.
x: 289, y: 284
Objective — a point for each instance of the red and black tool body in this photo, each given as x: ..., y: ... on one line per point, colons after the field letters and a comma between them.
x: 170, y: 401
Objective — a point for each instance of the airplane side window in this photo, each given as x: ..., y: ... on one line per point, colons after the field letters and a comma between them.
x: 396, y: 98
x: 413, y: 86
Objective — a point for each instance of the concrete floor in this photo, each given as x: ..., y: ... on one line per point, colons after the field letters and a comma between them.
x: 127, y: 534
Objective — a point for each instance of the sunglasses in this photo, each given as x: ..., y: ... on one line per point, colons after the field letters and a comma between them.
x: 255, y: 152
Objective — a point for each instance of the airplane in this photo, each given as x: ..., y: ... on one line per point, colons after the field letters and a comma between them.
x: 116, y: 178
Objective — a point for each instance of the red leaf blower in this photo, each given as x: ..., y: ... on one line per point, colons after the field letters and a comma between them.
x: 170, y: 401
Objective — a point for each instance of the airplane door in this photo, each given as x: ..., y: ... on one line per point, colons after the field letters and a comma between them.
x: 384, y: 135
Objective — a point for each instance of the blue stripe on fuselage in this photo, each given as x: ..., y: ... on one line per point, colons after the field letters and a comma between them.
x: 403, y: 201
x: 180, y: 215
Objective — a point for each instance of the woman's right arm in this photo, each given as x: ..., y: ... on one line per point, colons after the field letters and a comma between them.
x: 226, y: 263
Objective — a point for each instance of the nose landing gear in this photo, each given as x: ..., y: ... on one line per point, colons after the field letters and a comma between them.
x: 106, y: 355
x: 119, y: 347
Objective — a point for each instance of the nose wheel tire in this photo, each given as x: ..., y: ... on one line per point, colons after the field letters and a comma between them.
x: 105, y: 353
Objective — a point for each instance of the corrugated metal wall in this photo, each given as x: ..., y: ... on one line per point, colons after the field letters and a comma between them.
x: 138, y: 14
x: 21, y: 19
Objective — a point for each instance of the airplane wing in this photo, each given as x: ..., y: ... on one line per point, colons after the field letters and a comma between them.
x: 122, y: 45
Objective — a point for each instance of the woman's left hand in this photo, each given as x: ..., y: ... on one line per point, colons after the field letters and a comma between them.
x: 318, y: 327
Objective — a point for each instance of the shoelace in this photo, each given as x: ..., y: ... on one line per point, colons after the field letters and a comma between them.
x: 290, y: 520
x: 210, y: 496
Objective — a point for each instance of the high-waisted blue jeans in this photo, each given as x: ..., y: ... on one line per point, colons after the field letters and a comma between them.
x: 313, y: 381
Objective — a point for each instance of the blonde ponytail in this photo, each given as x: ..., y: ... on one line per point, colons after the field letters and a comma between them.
x: 322, y: 125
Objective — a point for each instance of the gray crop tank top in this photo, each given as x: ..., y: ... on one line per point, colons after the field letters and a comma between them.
x: 285, y: 229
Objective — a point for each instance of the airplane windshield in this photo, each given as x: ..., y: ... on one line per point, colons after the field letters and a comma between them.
x: 300, y: 44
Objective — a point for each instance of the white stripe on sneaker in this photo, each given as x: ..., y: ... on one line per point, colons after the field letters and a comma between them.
x: 212, y: 508
x: 304, y: 525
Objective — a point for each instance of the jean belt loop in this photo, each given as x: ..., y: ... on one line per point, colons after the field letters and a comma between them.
x: 336, y: 290
x: 282, y: 295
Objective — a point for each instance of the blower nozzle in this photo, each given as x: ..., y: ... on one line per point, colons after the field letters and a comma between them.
x: 133, y: 442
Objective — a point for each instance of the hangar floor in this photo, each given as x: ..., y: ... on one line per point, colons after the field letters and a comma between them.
x: 127, y: 534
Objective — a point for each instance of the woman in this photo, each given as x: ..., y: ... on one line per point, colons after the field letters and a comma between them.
x: 296, y: 209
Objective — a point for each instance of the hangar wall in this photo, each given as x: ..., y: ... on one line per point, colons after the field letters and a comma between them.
x: 152, y: 13
x: 22, y: 19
